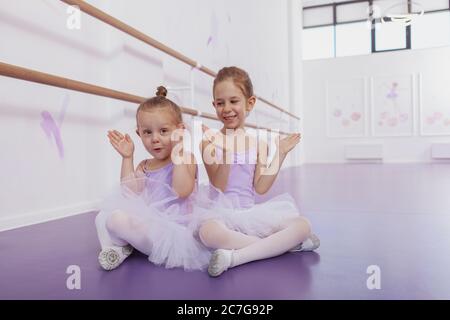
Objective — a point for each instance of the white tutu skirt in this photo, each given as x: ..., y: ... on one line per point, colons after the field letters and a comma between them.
x: 256, y: 219
x: 166, y: 219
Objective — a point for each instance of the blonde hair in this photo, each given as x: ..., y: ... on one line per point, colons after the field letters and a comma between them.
x: 239, y: 77
x: 160, y: 101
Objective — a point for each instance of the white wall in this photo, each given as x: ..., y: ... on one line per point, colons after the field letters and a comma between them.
x: 295, y: 16
x: 432, y: 64
x: 36, y: 183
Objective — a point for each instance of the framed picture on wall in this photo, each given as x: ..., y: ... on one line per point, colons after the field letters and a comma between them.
x: 392, y: 105
x: 434, y: 105
x: 346, y: 106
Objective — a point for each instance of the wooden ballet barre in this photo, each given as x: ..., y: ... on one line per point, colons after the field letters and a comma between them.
x: 12, y: 71
x: 116, y: 23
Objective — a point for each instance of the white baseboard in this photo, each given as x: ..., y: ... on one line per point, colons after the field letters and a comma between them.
x: 364, y: 152
x: 30, y: 218
x: 440, y: 151
x: 395, y: 161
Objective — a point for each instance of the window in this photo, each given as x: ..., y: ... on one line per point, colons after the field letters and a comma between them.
x: 318, y: 16
x: 431, y: 30
x: 345, y: 28
x: 318, y: 43
x: 431, y: 5
x: 358, y: 11
x: 390, y: 36
x: 353, y: 39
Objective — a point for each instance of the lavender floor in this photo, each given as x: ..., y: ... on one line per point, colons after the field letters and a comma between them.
x: 395, y: 216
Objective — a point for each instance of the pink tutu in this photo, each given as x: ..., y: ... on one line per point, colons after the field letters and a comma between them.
x: 257, y: 219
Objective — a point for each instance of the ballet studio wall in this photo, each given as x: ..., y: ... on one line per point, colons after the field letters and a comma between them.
x: 391, y: 107
x: 55, y: 157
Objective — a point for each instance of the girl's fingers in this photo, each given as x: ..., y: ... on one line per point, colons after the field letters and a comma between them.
x: 113, y: 136
x: 294, y: 138
x: 204, y: 128
x: 117, y: 134
x: 115, y: 139
x: 115, y: 143
x: 112, y: 139
x: 208, y: 134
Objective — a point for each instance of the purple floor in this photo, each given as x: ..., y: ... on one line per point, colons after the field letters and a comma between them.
x: 395, y: 216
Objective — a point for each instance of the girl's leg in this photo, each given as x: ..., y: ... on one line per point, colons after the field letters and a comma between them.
x: 103, y: 234
x: 291, y: 234
x: 126, y: 228
x: 214, y: 234
x: 118, y: 234
x: 294, y: 232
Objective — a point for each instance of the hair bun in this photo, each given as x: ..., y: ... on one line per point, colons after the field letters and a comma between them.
x: 161, y: 91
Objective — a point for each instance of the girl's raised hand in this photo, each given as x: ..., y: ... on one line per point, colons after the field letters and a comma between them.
x: 177, y: 138
x: 287, y: 144
x: 122, y: 143
x: 207, y: 133
x: 211, y: 136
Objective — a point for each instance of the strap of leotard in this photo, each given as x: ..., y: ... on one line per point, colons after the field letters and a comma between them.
x: 145, y: 166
